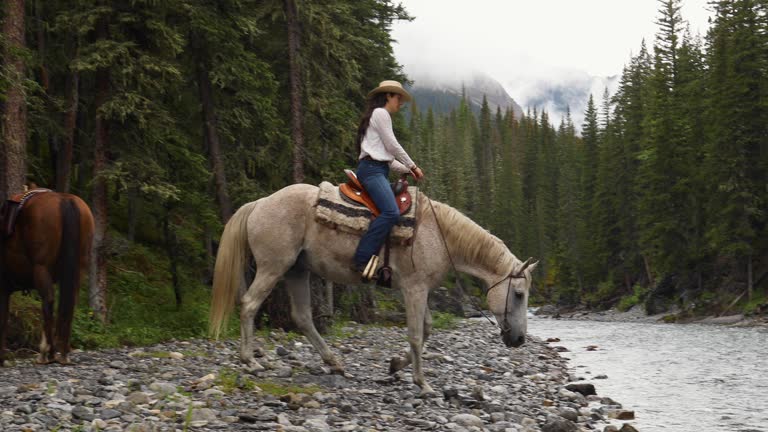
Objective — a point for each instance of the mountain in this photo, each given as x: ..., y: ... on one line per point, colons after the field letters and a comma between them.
x: 557, y: 95
x: 445, y: 95
x: 554, y: 94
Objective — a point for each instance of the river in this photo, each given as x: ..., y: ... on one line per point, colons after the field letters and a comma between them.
x: 677, y: 378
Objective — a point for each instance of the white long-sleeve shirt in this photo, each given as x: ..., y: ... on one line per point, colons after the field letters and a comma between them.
x: 380, y: 143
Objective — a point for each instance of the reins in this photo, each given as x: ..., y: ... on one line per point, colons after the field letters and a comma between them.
x: 512, y: 275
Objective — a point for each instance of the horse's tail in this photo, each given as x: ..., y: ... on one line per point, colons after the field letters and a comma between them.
x: 229, y: 270
x: 69, y: 263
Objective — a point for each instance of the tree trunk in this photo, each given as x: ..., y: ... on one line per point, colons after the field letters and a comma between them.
x: 98, y: 272
x: 14, y: 115
x: 171, y: 249
x: 648, y: 272
x: 210, y: 257
x: 64, y: 156
x: 297, y: 131
x: 212, y: 141
x: 750, y: 285
x: 133, y: 211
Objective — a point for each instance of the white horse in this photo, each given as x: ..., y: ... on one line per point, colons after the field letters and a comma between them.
x: 287, y: 243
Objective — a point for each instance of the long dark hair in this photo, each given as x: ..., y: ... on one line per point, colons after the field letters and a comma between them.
x: 376, y: 101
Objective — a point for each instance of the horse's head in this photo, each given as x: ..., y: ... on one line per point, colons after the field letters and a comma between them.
x: 508, y: 301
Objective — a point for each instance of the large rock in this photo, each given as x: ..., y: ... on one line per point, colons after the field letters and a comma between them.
x: 559, y: 424
x: 443, y: 300
x: 585, y: 389
x: 546, y: 310
x: 467, y: 420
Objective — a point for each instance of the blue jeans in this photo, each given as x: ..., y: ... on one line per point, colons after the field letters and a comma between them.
x: 374, y: 177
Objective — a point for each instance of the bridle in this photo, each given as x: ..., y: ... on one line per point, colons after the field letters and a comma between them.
x: 513, y: 274
x: 519, y: 274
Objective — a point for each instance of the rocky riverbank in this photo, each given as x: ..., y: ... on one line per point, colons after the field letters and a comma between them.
x: 199, y: 385
x: 638, y: 314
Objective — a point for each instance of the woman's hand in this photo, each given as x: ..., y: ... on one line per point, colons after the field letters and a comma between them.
x: 417, y: 173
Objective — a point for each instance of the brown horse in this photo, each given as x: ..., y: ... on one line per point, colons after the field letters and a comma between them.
x: 50, y: 244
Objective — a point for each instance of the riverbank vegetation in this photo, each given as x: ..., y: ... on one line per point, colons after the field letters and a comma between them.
x: 661, y: 200
x: 167, y: 116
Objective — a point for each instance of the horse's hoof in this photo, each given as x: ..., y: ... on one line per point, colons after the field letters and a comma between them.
x: 252, y: 366
x: 64, y: 360
x: 396, y: 364
x: 337, y: 370
x: 40, y: 360
x: 427, y: 392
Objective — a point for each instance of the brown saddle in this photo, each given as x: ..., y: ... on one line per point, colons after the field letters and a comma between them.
x: 10, y: 209
x: 354, y: 192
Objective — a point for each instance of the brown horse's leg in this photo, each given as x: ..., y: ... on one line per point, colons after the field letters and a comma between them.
x: 5, y: 300
x: 44, y: 285
x: 73, y: 250
x: 67, y: 300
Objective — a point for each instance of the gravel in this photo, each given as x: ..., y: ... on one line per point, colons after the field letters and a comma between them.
x: 200, y: 385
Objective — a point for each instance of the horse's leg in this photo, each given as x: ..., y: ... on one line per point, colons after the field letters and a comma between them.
x: 399, y: 363
x: 259, y: 290
x: 415, y: 311
x: 44, y: 285
x: 5, y: 300
x: 67, y: 301
x: 297, y: 284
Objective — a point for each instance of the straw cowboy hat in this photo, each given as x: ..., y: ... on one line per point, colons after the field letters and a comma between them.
x: 391, y: 87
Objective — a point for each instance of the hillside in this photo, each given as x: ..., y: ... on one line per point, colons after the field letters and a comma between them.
x: 444, y: 95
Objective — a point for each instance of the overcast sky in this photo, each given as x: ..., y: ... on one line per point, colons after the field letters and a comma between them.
x: 517, y: 41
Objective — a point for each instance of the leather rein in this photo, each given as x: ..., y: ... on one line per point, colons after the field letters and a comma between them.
x: 512, y: 275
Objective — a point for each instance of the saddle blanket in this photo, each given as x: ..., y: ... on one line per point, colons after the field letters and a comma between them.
x: 334, y: 211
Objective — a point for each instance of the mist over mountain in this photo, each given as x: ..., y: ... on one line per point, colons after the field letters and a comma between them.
x: 556, y: 93
x: 443, y: 95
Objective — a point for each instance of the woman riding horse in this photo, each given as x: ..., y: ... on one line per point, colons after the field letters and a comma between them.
x: 378, y: 151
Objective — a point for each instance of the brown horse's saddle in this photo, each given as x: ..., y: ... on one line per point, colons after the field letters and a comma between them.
x: 10, y: 209
x: 354, y: 192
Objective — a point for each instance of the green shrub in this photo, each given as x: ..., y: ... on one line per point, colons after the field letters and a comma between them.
x: 444, y: 321
x: 604, y: 292
x: 637, y: 297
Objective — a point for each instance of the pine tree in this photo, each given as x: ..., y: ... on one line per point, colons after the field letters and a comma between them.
x: 571, y: 224
x: 14, y: 110
x: 737, y: 130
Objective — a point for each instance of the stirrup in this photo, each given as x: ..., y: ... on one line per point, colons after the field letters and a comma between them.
x: 384, y: 277
x: 370, y: 269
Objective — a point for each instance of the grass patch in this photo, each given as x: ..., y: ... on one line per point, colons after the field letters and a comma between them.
x: 444, y: 321
x: 280, y: 389
x: 230, y: 380
x: 188, y: 418
x: 152, y: 354
x: 340, y: 330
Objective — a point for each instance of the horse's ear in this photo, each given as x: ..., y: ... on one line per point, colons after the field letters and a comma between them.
x: 532, y: 267
x: 523, y: 266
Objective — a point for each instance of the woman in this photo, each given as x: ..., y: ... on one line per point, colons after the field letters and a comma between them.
x: 379, y: 151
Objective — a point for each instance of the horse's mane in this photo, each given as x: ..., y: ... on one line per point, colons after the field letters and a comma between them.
x: 467, y: 239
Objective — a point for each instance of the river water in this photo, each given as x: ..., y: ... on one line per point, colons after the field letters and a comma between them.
x: 677, y: 378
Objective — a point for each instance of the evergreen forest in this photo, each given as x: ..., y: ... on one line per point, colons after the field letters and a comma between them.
x: 166, y: 116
